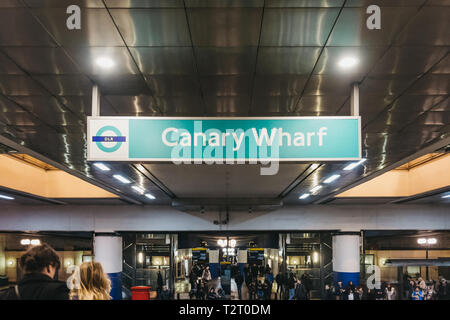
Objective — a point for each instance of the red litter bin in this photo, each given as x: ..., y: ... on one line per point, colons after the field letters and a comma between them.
x: 140, y: 293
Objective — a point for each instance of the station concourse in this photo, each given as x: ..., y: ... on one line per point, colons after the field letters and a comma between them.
x: 232, y: 146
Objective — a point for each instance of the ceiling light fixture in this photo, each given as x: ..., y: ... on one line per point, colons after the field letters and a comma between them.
x: 6, y: 197
x: 316, y: 188
x: 446, y: 196
x: 304, y: 196
x: 421, y: 241
x: 354, y: 164
x: 150, y: 196
x: 314, y: 166
x: 348, y: 62
x: 332, y: 178
x: 121, y: 178
x: 102, y: 166
x: 105, y: 62
x: 138, y: 189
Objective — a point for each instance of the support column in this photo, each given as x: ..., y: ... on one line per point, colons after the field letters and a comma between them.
x: 108, y: 251
x: 346, y: 257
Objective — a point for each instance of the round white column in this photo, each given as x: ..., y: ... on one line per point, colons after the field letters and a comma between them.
x: 346, y: 257
x: 108, y: 251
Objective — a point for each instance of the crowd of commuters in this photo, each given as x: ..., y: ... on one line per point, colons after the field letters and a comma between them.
x: 419, y: 289
x: 201, y: 288
x: 41, y: 264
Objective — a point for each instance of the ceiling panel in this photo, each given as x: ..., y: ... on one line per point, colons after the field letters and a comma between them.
x: 97, y: 27
x: 304, y: 3
x: 66, y: 85
x: 429, y: 27
x: 297, y: 27
x: 224, y: 106
x: 173, y: 85
x: 86, y: 58
x: 443, y: 66
x: 7, y: 66
x: 226, y: 85
x: 180, y: 106
x: 164, y: 60
x: 351, y: 29
x: 152, y: 27
x: 298, y: 60
x: 42, y: 60
x: 322, y: 105
x: 431, y: 84
x: 27, y: 31
x: 224, y: 3
x: 64, y: 3
x: 386, y: 85
x: 226, y: 27
x: 122, y: 84
x: 279, y: 85
x: 409, y: 60
x: 331, y: 84
x: 331, y: 56
x: 19, y: 85
x: 281, y: 105
x: 144, y: 3
x: 227, y: 179
x: 132, y: 105
x: 225, y: 60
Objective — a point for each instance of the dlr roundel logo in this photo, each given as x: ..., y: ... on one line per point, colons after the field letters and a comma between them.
x: 109, y: 135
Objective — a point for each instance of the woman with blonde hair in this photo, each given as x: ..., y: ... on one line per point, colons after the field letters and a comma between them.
x: 90, y: 282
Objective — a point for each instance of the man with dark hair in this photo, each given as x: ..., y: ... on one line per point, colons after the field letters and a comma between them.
x: 40, y: 264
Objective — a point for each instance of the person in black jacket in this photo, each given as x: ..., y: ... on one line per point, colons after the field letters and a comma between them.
x: 300, y: 292
x: 328, y: 293
x: 40, y: 264
x: 239, y: 279
x: 279, y: 280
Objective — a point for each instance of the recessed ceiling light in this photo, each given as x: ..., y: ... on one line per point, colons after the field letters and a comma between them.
x: 421, y: 241
x: 105, y: 62
x: 314, y: 166
x: 102, y: 166
x: 316, y: 188
x: 354, y: 165
x: 138, y: 189
x: 150, y: 196
x: 121, y: 178
x: 6, y: 197
x: 304, y: 196
x: 348, y: 62
x: 431, y: 240
x: 332, y: 178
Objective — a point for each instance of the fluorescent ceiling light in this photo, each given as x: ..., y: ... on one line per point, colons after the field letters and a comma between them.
x: 348, y: 62
x: 35, y: 242
x: 316, y: 188
x: 6, y: 197
x: 121, y: 178
x: 102, y: 166
x: 354, y: 165
x: 421, y: 241
x: 446, y: 196
x: 105, y: 62
x: 150, y: 196
x: 138, y: 189
x: 314, y: 166
x: 304, y: 196
x: 25, y: 242
x: 431, y: 240
x: 332, y: 178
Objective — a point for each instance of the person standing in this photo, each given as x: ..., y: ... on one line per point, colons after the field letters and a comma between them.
x: 239, y: 280
x: 291, y: 286
x: 279, y: 281
x: 391, y: 293
x: 160, y: 283
x: 90, y: 282
x: 340, y: 291
x: 269, y: 280
x: 40, y: 264
x: 417, y: 294
x: 206, y: 277
x: 300, y: 291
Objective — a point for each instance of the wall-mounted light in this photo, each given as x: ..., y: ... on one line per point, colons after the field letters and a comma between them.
x: 315, y: 257
x: 25, y: 242
x: 140, y: 257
